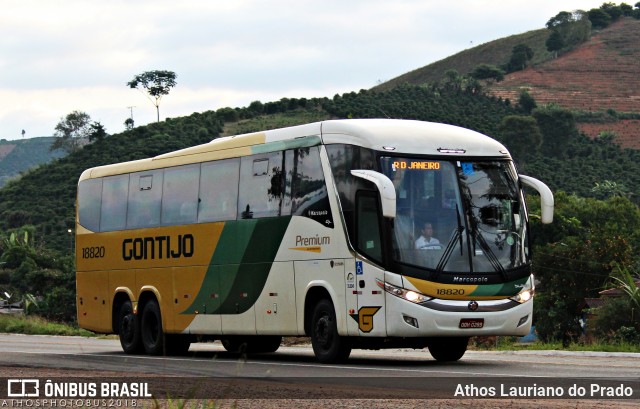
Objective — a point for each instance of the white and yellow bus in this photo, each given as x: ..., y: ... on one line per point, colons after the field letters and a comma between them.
x: 364, y: 233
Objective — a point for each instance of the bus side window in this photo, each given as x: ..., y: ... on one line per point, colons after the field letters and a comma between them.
x: 113, y: 212
x: 261, y: 185
x: 368, y: 225
x: 305, y: 187
x: 145, y: 195
x: 218, y: 190
x: 89, y: 199
x: 180, y: 195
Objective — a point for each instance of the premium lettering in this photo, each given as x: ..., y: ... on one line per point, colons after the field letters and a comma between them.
x: 158, y: 247
x: 312, y: 241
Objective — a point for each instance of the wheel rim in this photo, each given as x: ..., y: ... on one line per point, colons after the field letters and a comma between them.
x: 127, y: 328
x: 323, y: 331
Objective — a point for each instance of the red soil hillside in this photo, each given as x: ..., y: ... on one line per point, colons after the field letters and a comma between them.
x: 601, y: 74
x: 5, y: 150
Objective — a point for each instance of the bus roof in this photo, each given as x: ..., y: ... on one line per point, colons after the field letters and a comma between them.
x: 394, y: 135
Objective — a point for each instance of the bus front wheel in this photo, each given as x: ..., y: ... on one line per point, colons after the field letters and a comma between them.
x: 151, y: 329
x: 129, y: 329
x: 448, y: 349
x: 328, y: 346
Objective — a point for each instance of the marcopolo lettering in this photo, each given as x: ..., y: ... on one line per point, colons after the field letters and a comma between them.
x: 158, y: 247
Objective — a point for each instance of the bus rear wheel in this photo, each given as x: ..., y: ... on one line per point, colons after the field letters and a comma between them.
x: 151, y: 329
x: 129, y: 329
x: 328, y: 345
x: 448, y: 349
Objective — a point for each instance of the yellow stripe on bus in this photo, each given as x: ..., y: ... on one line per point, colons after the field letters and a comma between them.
x: 448, y: 291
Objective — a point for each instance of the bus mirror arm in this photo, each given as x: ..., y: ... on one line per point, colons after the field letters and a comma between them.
x: 385, y: 188
x: 546, y: 197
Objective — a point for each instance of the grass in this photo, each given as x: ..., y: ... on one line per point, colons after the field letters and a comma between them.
x: 33, y: 325
x: 512, y: 344
x: 597, y: 346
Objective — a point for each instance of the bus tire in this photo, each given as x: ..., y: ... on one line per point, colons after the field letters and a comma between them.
x: 129, y: 329
x: 264, y: 344
x: 177, y: 344
x: 328, y: 346
x: 151, y: 329
x: 448, y: 349
x: 235, y: 345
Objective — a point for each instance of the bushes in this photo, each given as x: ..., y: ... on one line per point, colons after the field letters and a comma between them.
x: 618, y: 320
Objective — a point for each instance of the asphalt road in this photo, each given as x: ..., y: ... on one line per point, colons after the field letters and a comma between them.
x: 364, y: 374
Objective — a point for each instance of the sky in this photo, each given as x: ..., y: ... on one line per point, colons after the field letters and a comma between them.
x: 66, y: 55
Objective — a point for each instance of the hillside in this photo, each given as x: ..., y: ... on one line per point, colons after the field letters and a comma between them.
x: 495, y: 52
x: 600, y: 75
x: 17, y: 156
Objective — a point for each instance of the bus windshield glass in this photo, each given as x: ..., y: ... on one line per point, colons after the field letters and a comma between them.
x: 462, y: 217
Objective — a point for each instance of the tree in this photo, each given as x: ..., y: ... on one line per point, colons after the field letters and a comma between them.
x: 599, y: 18
x: 608, y: 189
x: 521, y: 135
x: 70, y: 131
x: 486, y: 72
x: 453, y: 80
x: 613, y: 10
x: 575, y: 256
x: 128, y: 124
x: 559, y: 20
x: 558, y: 127
x: 520, y: 55
x: 526, y: 102
x: 97, y: 132
x: 626, y: 9
x: 156, y: 83
x: 554, y: 43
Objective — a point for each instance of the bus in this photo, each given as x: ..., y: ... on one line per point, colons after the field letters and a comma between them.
x: 356, y: 233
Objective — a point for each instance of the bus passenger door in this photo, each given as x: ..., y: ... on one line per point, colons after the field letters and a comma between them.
x: 370, y: 314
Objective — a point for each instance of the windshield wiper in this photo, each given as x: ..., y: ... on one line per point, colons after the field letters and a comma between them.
x: 495, y: 263
x: 456, y: 236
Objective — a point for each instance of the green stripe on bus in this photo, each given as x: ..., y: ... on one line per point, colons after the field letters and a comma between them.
x: 240, y: 266
x: 510, y: 288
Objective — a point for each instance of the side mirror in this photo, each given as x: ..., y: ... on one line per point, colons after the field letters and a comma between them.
x: 386, y: 190
x: 546, y: 197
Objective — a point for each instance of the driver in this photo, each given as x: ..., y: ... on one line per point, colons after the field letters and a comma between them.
x: 426, y: 241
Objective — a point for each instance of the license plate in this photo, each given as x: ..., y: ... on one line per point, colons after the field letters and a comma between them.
x: 466, y: 323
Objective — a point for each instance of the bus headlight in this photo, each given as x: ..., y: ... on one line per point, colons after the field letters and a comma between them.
x: 527, y: 292
x: 409, y: 295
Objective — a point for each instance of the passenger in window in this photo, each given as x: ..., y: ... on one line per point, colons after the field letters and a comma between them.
x: 426, y: 241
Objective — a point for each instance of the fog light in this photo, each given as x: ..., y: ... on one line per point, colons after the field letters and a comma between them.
x: 522, y: 321
x: 410, y: 320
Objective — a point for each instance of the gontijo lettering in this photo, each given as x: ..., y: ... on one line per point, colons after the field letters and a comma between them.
x: 158, y: 247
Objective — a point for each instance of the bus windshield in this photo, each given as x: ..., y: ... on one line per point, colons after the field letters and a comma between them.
x: 462, y: 217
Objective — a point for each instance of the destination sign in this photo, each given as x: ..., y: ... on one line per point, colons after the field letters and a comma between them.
x: 416, y: 164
